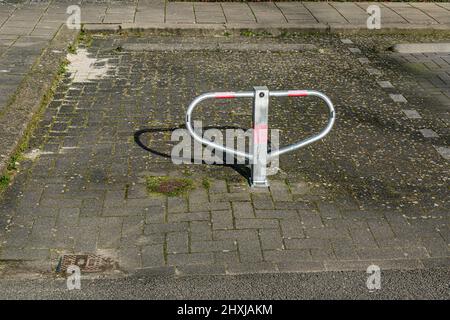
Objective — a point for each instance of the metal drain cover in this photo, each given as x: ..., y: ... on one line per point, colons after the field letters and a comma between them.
x: 86, y: 262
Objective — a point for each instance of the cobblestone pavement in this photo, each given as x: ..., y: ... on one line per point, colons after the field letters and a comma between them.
x: 374, y: 191
x: 433, y: 73
x: 26, y: 27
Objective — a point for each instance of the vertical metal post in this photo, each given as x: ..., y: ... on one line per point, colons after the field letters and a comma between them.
x: 260, y: 132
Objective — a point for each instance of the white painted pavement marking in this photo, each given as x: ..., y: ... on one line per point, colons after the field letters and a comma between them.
x: 354, y: 50
x: 412, y: 114
x: 385, y: 84
x: 429, y: 133
x: 398, y: 97
x: 443, y: 151
x: 363, y: 60
x: 373, y: 71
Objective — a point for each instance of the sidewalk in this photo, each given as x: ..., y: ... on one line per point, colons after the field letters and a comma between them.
x: 42, y: 18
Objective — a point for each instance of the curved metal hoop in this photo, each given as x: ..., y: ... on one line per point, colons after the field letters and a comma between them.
x: 250, y: 94
x: 320, y: 135
x: 216, y: 95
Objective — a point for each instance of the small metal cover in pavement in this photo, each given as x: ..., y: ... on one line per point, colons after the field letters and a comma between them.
x: 86, y: 262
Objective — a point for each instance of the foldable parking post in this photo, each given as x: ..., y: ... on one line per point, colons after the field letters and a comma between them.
x: 259, y: 156
x: 260, y: 133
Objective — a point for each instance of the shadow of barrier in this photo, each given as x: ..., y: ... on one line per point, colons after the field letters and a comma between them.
x: 241, y: 168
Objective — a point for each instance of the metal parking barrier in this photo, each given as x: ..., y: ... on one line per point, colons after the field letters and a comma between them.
x: 259, y: 157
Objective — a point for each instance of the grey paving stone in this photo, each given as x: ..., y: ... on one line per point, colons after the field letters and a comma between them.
x: 238, y: 13
x: 380, y: 254
x: 351, y: 12
x: 415, y: 253
x: 380, y: 230
x: 130, y: 258
x: 190, y: 258
x: 324, y: 12
x: 189, y: 216
x: 209, y: 13
x: 199, y: 269
x: 271, y: 239
x: 120, y: 212
x: 230, y: 197
x: 363, y: 238
x: 155, y: 214
x: 299, y: 188
x: 292, y: 228
x: 436, y: 247
x: 213, y: 246
x: 198, y: 196
x: 326, y: 254
x: 250, y: 250
x: 258, y: 267
x: 306, y: 243
x: 300, y: 266
x: 153, y: 256
x: 165, y: 227
x: 176, y: 205
x: 222, y: 219
x: 218, y: 186
x: 200, y: 230
x: 385, y: 84
x: 177, y: 242
x: 344, y: 249
x: 228, y: 257
x: 256, y: 223
x: 24, y: 254
x: 263, y: 203
x: 399, y: 264
x: 267, y: 12
x: 17, y: 237
x: 280, y: 191
x: 311, y: 219
x: 287, y: 255
x: 207, y: 206
x: 242, y: 210
x: 145, y: 202
x: 276, y: 214
x: 436, y: 262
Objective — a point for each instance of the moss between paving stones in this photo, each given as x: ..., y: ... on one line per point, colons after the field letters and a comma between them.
x: 30, y: 100
x: 168, y: 185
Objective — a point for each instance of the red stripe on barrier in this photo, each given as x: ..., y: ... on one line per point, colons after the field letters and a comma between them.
x: 225, y: 96
x: 260, y: 133
x: 299, y: 93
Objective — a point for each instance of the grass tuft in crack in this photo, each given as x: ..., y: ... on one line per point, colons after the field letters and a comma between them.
x: 4, y: 181
x: 206, y: 183
x: 168, y: 185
